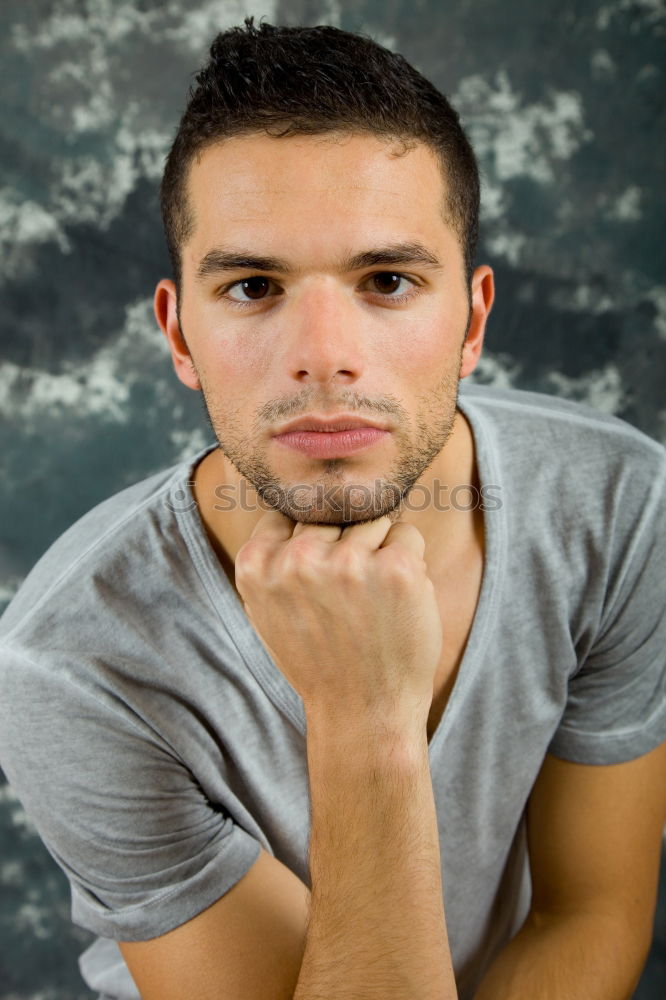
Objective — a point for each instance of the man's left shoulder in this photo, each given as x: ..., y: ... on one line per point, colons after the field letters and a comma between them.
x: 535, y: 420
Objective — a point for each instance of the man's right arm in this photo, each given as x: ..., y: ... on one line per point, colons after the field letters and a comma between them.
x: 377, y: 927
x: 351, y: 618
x: 374, y: 923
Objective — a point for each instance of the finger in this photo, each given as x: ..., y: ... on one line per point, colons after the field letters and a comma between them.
x: 406, y: 535
x: 273, y: 526
x: 367, y: 534
x: 322, y: 532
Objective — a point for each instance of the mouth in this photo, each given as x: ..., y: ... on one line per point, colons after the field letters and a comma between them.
x: 321, y: 437
x: 331, y: 444
x: 343, y: 422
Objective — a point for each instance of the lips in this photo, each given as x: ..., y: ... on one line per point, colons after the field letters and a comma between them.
x: 329, y: 425
x: 331, y: 444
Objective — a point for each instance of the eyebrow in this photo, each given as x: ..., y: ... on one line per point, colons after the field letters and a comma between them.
x: 221, y: 259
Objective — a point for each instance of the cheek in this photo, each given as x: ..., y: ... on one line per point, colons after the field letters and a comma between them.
x: 237, y: 362
x: 422, y: 352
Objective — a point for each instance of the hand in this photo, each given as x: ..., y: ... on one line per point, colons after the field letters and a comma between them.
x: 349, y: 615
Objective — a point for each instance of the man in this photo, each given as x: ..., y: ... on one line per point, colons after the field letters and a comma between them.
x: 367, y: 698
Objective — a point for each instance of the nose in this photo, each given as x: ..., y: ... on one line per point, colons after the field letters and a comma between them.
x: 324, y: 339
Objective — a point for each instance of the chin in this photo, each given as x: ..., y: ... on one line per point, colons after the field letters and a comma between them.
x: 341, y: 517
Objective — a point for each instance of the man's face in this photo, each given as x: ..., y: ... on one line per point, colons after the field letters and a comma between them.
x: 379, y: 339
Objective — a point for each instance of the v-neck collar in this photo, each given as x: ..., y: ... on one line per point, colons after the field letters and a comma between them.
x: 252, y: 650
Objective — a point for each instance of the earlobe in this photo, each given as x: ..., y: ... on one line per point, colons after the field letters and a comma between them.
x: 165, y: 303
x: 483, y: 295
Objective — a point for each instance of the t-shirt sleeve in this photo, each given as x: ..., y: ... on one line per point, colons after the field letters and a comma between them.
x: 143, y: 848
x: 616, y: 705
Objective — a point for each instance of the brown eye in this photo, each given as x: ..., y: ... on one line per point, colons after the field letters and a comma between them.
x: 255, y: 288
x: 247, y: 290
x: 385, y: 284
x: 387, y: 281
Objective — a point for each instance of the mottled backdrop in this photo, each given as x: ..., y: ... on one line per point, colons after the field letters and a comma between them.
x: 563, y: 100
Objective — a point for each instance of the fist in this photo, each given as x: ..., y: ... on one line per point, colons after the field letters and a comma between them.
x: 349, y: 615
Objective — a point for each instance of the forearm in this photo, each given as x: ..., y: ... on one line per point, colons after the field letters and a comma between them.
x: 376, y: 926
x: 582, y: 956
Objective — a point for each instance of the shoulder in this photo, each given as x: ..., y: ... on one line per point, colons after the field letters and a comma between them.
x: 534, y: 415
x: 541, y: 444
x: 117, y: 534
x: 582, y: 493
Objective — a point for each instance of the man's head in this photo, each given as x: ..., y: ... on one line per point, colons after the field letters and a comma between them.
x: 322, y: 272
x: 312, y: 81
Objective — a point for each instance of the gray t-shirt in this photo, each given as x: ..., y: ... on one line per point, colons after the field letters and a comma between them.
x: 156, y: 746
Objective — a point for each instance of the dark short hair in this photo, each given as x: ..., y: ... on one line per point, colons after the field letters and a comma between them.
x: 312, y: 81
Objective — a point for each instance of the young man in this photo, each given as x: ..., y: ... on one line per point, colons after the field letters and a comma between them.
x: 366, y: 699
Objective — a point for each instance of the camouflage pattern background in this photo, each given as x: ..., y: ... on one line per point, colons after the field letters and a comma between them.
x: 563, y: 100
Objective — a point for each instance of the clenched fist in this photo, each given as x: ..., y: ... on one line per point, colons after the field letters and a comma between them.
x: 349, y: 615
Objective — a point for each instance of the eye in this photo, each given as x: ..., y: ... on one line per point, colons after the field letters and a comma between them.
x: 254, y: 287
x: 385, y: 282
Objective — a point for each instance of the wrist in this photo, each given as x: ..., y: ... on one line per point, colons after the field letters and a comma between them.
x: 373, y: 737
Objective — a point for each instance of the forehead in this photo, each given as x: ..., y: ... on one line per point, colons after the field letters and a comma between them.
x: 314, y: 191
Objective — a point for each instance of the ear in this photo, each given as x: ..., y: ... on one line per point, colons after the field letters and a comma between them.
x: 483, y: 295
x: 164, y: 305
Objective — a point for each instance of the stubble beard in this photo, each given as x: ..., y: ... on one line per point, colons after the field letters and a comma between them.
x: 333, y: 497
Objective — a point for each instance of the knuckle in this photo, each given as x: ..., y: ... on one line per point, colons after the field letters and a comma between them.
x: 302, y: 544
x: 401, y: 567
x: 250, y: 559
x: 301, y: 558
x: 409, y: 534
x: 349, y: 565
